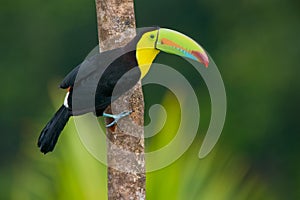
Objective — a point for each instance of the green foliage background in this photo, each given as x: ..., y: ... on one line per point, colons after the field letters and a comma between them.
x: 256, y: 46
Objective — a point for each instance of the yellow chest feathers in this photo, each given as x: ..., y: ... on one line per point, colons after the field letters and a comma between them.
x: 145, y: 58
x: 146, y: 51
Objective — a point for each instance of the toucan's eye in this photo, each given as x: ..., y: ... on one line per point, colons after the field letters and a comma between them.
x: 152, y: 36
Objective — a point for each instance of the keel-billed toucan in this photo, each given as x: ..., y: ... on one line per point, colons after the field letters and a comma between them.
x: 98, y: 75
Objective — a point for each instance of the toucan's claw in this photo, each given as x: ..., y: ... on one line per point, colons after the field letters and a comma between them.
x: 116, y: 117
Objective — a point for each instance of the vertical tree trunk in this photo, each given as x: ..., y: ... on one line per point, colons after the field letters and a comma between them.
x: 125, y: 146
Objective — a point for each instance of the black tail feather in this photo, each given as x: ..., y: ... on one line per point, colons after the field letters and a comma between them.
x: 52, y: 130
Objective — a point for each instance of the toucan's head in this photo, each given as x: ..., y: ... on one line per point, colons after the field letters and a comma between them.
x: 169, y: 41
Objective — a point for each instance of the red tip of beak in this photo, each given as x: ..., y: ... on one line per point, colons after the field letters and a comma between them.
x: 206, y: 64
x: 202, y: 57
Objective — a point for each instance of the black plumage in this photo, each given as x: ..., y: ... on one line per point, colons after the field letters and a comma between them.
x: 52, y: 130
x: 92, y: 88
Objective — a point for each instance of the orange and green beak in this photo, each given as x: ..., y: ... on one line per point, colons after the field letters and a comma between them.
x: 173, y: 42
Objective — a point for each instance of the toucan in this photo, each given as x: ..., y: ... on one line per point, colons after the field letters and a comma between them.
x: 91, y: 86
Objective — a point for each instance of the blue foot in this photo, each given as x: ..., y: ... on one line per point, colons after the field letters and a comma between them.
x: 116, y: 117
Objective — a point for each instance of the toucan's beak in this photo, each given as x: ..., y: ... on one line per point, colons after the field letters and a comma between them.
x: 173, y: 42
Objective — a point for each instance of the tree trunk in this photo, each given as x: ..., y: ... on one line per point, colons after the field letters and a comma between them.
x: 125, y: 142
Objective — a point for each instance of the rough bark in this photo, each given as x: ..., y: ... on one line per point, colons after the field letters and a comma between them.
x: 125, y: 142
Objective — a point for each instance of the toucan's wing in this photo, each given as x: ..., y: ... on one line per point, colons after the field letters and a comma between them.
x: 101, y: 78
x: 103, y: 87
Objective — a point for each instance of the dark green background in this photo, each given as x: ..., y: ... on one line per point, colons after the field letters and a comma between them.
x: 256, y: 46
